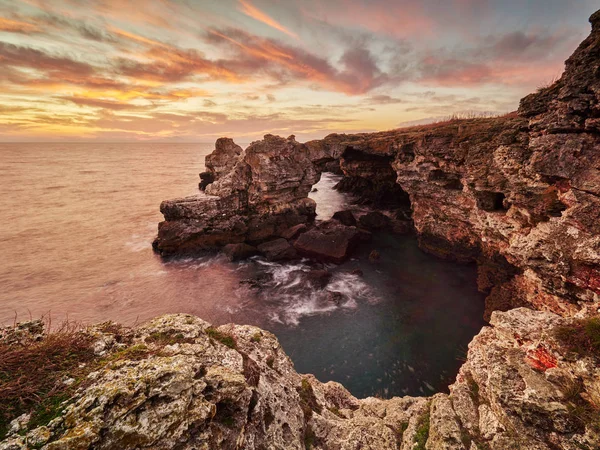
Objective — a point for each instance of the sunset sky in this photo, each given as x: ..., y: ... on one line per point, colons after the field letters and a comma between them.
x: 196, y: 70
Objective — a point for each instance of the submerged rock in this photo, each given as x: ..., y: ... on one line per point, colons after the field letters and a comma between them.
x: 237, y: 252
x: 374, y: 220
x: 277, y: 250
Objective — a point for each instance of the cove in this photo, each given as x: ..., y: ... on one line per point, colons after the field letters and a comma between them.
x: 396, y: 326
x: 409, y: 333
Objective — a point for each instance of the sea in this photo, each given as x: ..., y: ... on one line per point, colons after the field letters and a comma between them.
x: 78, y: 220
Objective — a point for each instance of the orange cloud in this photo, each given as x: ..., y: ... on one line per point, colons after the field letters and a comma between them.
x: 251, y: 11
x: 16, y: 26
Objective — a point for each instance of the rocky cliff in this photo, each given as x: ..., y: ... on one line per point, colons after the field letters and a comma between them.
x: 178, y: 383
x: 519, y: 194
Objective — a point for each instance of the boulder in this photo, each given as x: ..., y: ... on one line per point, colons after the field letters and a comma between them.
x: 345, y: 217
x: 277, y: 250
x: 236, y: 252
x: 330, y: 242
x: 374, y: 256
x: 319, y: 278
x: 205, y: 179
x: 373, y: 220
x: 294, y: 231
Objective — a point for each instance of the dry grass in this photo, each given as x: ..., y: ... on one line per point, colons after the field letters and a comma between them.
x: 581, y: 337
x: 32, y: 375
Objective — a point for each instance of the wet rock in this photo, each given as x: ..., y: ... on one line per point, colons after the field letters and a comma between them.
x: 335, y: 297
x: 373, y: 220
x: 402, y: 226
x: 205, y: 179
x: 374, y: 256
x: 293, y: 232
x: 345, y: 217
x: 237, y: 252
x: 257, y: 282
x: 329, y: 242
x: 277, y: 250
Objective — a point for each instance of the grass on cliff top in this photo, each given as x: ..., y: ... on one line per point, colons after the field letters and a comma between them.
x: 32, y: 376
x: 422, y: 432
x: 582, y: 336
x: 223, y: 338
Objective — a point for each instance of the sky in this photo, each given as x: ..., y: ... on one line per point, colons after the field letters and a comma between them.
x: 197, y: 70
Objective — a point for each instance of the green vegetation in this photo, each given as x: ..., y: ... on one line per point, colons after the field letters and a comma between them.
x: 32, y: 375
x: 256, y: 337
x: 581, y: 337
x: 308, y: 401
x: 335, y: 411
x: 309, y: 438
x: 473, y: 388
x: 422, y: 433
x: 223, y: 338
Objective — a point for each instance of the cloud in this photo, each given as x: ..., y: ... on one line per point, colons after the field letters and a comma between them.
x: 105, y: 104
x: 251, y: 11
x: 383, y: 100
x: 283, y: 63
x: 514, y: 58
x: 17, y: 26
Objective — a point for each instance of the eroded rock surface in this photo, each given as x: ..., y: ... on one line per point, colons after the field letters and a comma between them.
x: 178, y: 383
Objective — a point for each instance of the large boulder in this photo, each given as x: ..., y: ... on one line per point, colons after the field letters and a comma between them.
x: 329, y: 242
x: 345, y: 217
x: 277, y: 250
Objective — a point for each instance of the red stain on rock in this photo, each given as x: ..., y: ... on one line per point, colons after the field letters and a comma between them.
x: 540, y: 359
x: 585, y: 276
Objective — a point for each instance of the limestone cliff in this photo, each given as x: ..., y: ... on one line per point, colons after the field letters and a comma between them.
x: 177, y: 383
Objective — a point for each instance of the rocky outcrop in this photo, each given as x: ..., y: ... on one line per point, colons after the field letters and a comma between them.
x: 519, y: 194
x: 178, y: 383
x: 257, y: 195
x: 330, y: 242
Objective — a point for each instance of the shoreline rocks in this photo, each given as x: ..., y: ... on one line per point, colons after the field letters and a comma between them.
x: 178, y: 382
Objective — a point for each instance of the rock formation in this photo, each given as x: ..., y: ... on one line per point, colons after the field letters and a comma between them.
x: 178, y: 383
x: 519, y: 194
x: 257, y: 195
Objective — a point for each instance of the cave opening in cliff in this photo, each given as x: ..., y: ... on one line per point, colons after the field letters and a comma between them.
x: 372, y: 180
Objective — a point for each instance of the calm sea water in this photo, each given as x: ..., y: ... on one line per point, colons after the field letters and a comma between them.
x: 78, y: 222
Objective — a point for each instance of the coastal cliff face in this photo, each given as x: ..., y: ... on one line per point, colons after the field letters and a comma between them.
x: 178, y: 383
x: 519, y: 194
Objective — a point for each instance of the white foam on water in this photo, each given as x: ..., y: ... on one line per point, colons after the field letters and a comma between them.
x: 289, y: 296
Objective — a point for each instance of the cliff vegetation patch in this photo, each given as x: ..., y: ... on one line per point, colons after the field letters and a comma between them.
x: 37, y: 376
x: 581, y: 337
